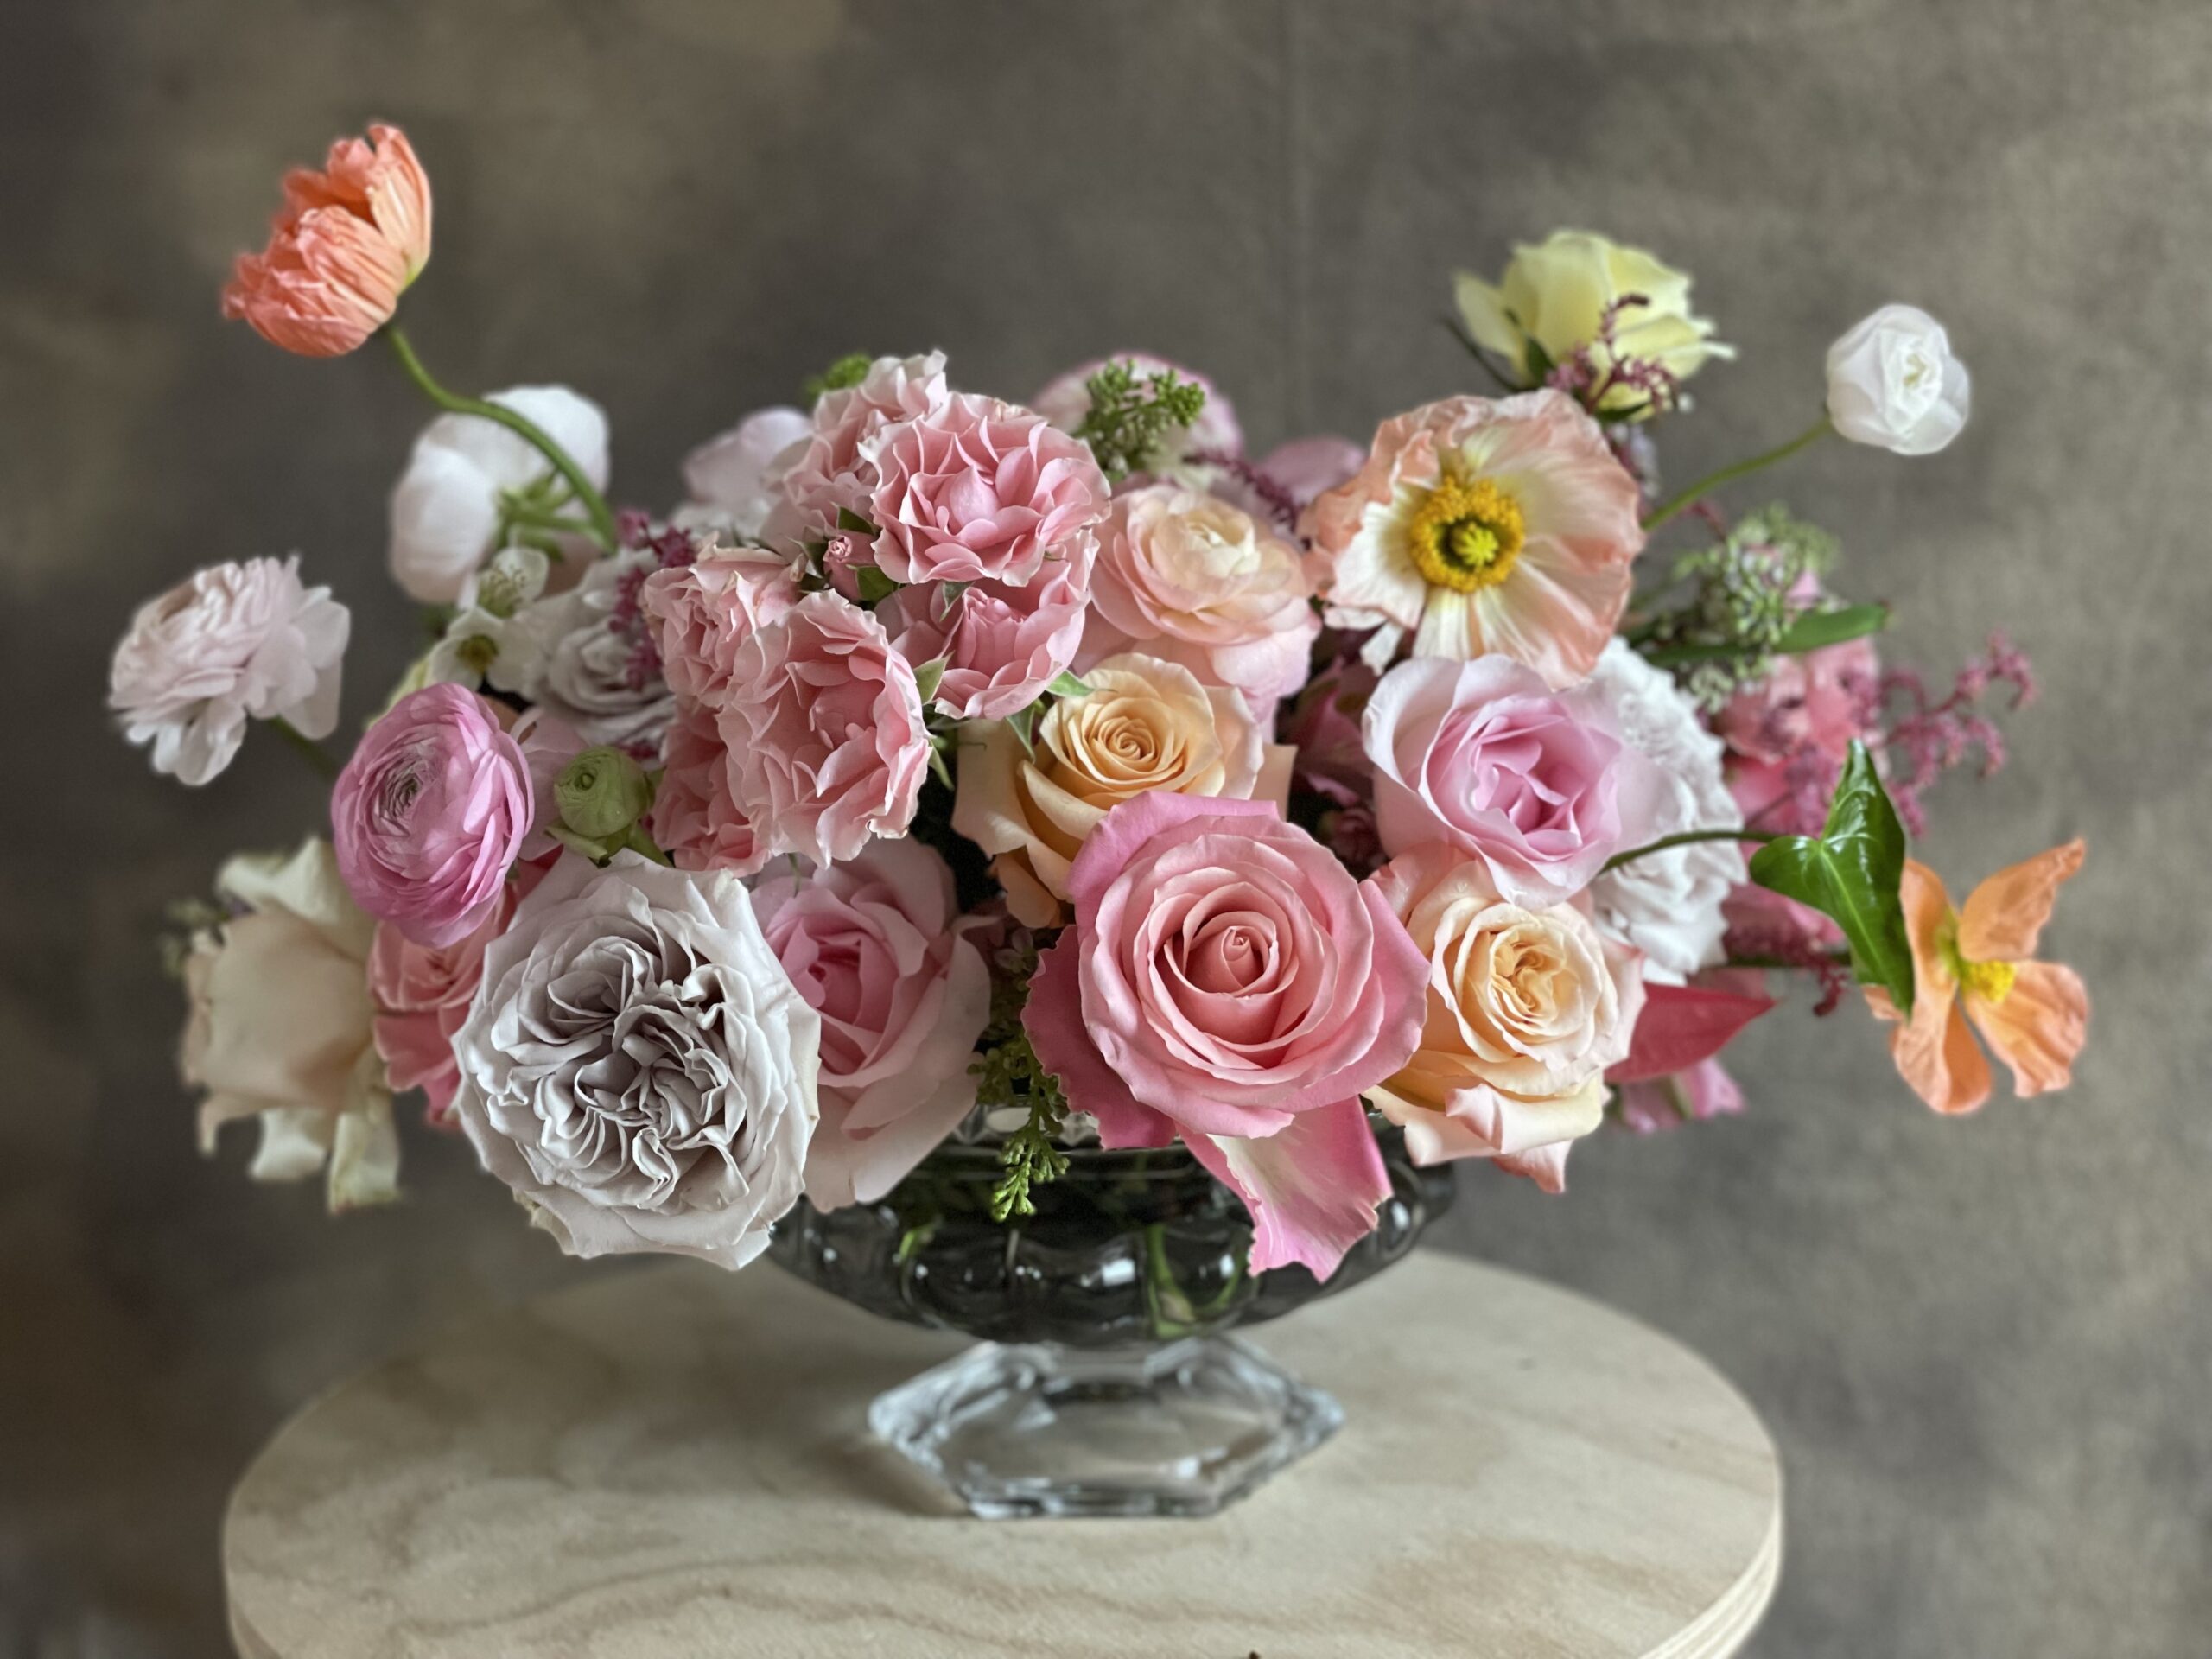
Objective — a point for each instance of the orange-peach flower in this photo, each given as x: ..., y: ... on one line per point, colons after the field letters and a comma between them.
x: 347, y: 243
x: 1976, y: 964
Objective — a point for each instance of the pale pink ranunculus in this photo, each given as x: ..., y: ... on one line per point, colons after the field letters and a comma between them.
x: 421, y: 994
x: 1064, y: 400
x: 694, y: 819
x: 1001, y: 645
x: 435, y: 805
x: 1484, y: 525
x: 231, y: 643
x: 347, y: 243
x: 1537, y: 785
x: 1227, y: 980
x: 980, y: 490
x: 874, y: 947
x: 734, y: 478
x: 1305, y: 469
x: 832, y: 469
x: 701, y: 612
x: 1191, y: 580
x: 823, y: 723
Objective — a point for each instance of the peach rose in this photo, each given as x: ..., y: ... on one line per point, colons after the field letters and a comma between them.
x: 1145, y: 727
x: 1526, y: 1008
x: 1190, y: 579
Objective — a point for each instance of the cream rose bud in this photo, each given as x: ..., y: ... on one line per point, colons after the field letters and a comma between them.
x: 1893, y: 383
x: 1144, y: 726
x: 1526, y: 1008
x: 1190, y: 579
x: 637, y: 1067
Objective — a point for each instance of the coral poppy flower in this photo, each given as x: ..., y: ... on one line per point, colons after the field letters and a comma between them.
x: 1975, y: 965
x: 1485, y: 524
x: 347, y: 242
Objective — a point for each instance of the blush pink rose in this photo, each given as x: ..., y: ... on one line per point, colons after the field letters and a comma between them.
x: 693, y: 820
x: 1482, y: 756
x: 874, y: 947
x: 1191, y: 580
x: 1001, y: 645
x: 823, y: 721
x: 435, y: 805
x: 1228, y: 981
x: 831, y: 469
x: 978, y: 489
x: 701, y: 612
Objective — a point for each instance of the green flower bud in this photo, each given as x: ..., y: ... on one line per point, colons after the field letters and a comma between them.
x: 601, y: 793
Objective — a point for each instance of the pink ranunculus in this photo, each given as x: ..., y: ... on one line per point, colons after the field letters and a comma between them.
x: 700, y: 612
x: 693, y: 820
x: 1066, y: 400
x: 823, y: 723
x: 832, y: 469
x: 980, y: 490
x: 1537, y: 785
x: 1227, y: 980
x: 874, y: 947
x: 1001, y: 645
x: 421, y: 995
x: 1190, y: 579
x: 435, y: 805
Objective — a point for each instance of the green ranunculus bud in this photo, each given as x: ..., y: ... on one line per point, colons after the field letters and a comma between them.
x: 601, y: 793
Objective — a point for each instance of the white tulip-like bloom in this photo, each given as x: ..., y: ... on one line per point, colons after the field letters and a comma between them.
x: 637, y: 1067
x: 1893, y: 383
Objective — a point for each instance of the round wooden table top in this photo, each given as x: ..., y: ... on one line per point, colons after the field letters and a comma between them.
x: 673, y: 1462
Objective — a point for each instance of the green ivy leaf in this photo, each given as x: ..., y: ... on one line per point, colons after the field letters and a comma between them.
x: 1815, y: 629
x: 1851, y: 873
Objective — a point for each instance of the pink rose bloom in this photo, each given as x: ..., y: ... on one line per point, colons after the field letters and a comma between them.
x: 700, y: 612
x: 832, y: 469
x: 978, y: 489
x: 1537, y: 785
x: 435, y: 805
x: 693, y: 820
x: 1064, y: 401
x: 1704, y: 1090
x: 231, y: 643
x: 1001, y: 645
x: 1228, y: 981
x: 824, y: 724
x: 874, y: 947
x: 1189, y: 579
x: 421, y: 994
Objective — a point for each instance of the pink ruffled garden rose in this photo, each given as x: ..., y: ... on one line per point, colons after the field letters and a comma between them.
x: 1228, y: 981
x: 874, y: 947
x: 694, y: 819
x: 701, y: 612
x: 980, y: 490
x: 1482, y: 756
x: 1001, y: 645
x: 832, y: 469
x: 823, y: 721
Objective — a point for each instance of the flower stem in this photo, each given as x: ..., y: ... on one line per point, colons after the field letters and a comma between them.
x: 314, y: 754
x: 1713, y: 481
x: 601, y: 527
x: 1685, y: 838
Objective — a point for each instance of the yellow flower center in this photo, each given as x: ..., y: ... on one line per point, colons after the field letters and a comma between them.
x: 1990, y: 981
x: 1466, y: 536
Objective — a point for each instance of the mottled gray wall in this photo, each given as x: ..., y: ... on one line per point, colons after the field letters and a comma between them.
x: 1982, y: 1345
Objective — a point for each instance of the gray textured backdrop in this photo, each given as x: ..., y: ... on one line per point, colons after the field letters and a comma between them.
x: 1983, y: 1345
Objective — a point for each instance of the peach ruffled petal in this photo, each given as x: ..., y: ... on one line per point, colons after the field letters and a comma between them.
x: 2004, y: 915
x: 2039, y: 1026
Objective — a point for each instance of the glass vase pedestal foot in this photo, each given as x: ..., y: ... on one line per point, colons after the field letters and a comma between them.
x: 1185, y: 1428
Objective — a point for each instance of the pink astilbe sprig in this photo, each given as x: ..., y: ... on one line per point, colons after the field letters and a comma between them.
x: 1930, y: 737
x: 1582, y: 377
x: 671, y: 548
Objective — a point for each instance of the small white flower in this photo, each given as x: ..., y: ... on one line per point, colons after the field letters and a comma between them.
x: 446, y: 507
x: 1893, y: 383
x: 235, y: 641
x: 498, y: 633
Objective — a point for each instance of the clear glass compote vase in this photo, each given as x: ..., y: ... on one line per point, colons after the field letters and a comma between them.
x: 1106, y: 1380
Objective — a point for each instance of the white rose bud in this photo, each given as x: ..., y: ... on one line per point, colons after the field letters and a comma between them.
x: 1893, y: 383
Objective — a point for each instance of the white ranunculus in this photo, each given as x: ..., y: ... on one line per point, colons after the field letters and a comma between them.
x: 636, y: 1066
x: 1669, y: 904
x: 279, y: 1026
x: 445, y: 507
x: 234, y: 642
x: 589, y: 671
x: 731, y: 479
x: 1893, y: 383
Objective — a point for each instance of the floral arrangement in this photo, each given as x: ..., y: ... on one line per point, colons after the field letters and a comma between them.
x: 941, y: 765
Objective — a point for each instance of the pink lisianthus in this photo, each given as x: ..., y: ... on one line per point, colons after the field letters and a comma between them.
x: 1001, y: 645
x: 874, y: 947
x: 1537, y: 785
x: 693, y: 820
x: 1325, y: 728
x: 980, y: 490
x: 832, y: 469
x: 1704, y: 1090
x: 1191, y: 580
x: 699, y: 613
x: 435, y: 805
x: 823, y: 721
x: 1228, y: 981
